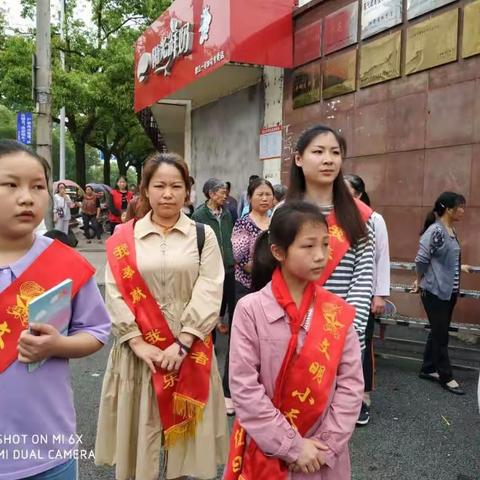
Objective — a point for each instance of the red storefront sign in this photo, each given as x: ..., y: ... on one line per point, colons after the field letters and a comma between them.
x: 341, y: 28
x: 308, y: 43
x: 193, y: 38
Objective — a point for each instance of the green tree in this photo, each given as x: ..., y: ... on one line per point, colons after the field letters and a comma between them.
x: 96, y: 87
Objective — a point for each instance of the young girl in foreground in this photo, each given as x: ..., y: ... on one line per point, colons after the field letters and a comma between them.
x: 295, y: 368
x: 38, y: 405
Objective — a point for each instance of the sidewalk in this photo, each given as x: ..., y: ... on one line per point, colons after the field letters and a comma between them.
x: 95, y: 253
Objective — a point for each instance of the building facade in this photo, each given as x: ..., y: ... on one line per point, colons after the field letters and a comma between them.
x: 401, y: 81
x: 230, y: 85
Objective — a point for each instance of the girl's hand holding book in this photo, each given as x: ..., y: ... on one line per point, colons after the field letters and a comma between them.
x: 311, y: 458
x: 42, y: 343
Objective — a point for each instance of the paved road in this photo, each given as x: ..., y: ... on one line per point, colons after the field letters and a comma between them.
x: 417, y: 431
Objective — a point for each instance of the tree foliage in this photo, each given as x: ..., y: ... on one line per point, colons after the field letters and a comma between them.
x: 96, y: 87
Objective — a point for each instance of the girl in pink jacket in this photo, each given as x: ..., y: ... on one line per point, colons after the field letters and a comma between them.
x: 295, y: 366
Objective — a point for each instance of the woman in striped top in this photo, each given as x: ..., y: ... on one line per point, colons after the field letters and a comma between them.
x: 316, y: 176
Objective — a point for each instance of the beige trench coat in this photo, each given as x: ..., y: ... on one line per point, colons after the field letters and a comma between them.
x: 129, y: 433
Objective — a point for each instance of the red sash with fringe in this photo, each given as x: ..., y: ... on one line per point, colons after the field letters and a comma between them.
x: 182, y: 395
x: 305, y: 380
x: 54, y: 265
x: 338, y: 241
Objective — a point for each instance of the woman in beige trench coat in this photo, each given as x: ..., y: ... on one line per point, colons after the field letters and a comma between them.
x: 189, y: 291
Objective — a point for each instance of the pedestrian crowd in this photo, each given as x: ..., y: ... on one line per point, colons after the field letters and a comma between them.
x: 295, y: 279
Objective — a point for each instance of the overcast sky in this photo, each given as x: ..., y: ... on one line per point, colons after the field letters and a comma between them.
x: 13, y: 9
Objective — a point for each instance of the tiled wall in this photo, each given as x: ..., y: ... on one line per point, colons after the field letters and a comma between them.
x: 409, y: 139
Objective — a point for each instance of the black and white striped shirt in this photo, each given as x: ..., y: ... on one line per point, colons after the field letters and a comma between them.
x: 352, y: 279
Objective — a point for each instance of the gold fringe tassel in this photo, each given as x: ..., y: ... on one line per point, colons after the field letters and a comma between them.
x: 192, y: 412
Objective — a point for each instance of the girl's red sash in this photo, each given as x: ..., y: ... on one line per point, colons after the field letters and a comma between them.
x: 305, y: 391
x: 181, y: 396
x: 338, y: 241
x: 54, y: 265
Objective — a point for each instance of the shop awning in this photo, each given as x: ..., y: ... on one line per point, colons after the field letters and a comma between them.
x: 201, y: 50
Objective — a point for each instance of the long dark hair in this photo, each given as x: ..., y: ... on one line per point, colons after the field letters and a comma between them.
x: 9, y: 147
x: 152, y: 164
x: 284, y: 227
x: 444, y: 201
x: 121, y: 177
x: 346, y: 211
x: 358, y: 185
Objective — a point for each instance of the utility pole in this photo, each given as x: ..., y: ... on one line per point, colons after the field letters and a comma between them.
x: 62, y: 110
x: 43, y: 80
x: 43, y: 97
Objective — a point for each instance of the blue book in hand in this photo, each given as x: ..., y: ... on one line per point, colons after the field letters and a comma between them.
x: 53, y: 307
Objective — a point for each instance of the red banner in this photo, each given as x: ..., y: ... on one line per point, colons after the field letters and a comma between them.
x: 56, y: 264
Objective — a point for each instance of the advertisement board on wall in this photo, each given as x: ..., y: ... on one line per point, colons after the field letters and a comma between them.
x: 415, y: 8
x: 307, y: 85
x: 340, y: 28
x: 432, y: 42
x: 339, y: 75
x: 380, y: 15
x: 471, y: 29
x: 380, y: 60
x: 307, y: 43
x: 271, y: 142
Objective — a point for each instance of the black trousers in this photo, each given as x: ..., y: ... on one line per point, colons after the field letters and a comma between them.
x: 90, y: 222
x: 228, y: 298
x: 368, y: 363
x: 435, y: 356
x: 240, y: 291
x: 111, y: 226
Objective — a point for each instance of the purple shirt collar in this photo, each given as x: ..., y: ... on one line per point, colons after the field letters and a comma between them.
x: 39, y: 245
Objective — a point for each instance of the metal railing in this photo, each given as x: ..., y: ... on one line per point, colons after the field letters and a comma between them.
x: 406, y: 321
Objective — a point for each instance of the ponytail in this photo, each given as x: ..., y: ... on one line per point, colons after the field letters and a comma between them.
x: 264, y: 263
x: 445, y: 201
x: 430, y: 219
x: 358, y: 185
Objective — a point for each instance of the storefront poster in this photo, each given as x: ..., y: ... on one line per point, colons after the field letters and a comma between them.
x: 432, y: 42
x: 341, y: 28
x: 380, y: 15
x: 307, y: 82
x: 416, y: 8
x: 471, y: 29
x: 271, y: 142
x: 339, y: 75
x: 272, y: 169
x: 380, y: 60
x: 308, y: 43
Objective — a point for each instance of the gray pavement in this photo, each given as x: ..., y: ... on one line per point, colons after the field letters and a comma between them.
x: 417, y: 431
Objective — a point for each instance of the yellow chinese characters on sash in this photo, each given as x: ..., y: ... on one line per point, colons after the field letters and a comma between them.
x: 306, y: 389
x: 182, y: 396
x: 34, y: 281
x: 338, y: 244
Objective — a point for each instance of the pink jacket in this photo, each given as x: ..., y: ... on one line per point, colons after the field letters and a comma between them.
x: 259, y: 341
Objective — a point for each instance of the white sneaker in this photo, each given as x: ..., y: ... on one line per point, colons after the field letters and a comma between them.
x: 229, y: 406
